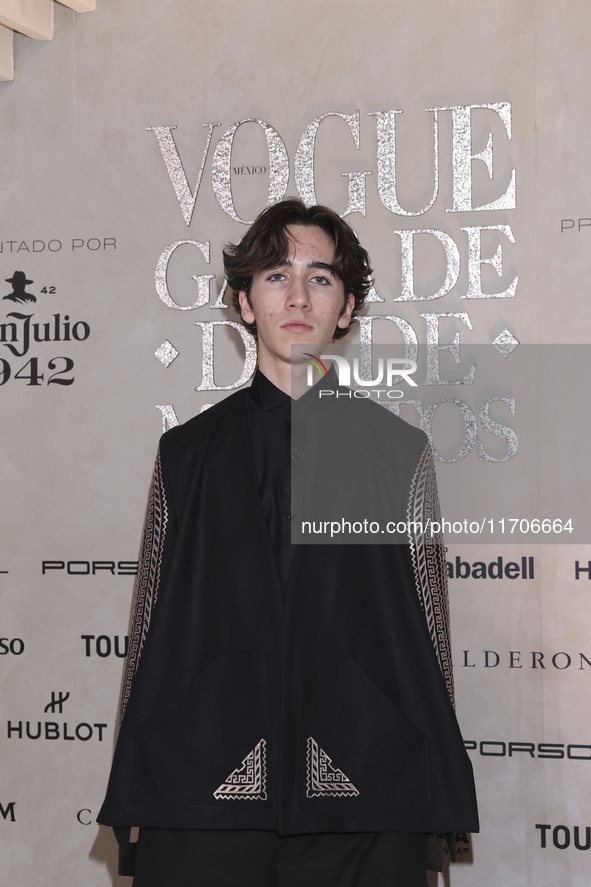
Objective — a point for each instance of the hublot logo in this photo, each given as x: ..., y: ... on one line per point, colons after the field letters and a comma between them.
x: 56, y: 702
x: 51, y: 729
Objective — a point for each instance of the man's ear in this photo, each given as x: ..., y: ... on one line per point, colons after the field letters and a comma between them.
x: 345, y: 318
x: 246, y: 311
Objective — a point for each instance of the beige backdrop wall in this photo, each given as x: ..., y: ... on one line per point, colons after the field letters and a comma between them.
x: 90, y: 162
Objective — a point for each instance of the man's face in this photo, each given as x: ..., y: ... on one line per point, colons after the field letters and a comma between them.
x: 300, y: 301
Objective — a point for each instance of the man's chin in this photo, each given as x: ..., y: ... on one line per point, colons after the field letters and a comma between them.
x: 302, y: 351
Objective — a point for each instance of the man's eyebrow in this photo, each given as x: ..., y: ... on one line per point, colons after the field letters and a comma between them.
x: 322, y: 266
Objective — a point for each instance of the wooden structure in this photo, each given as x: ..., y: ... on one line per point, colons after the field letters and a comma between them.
x: 34, y: 18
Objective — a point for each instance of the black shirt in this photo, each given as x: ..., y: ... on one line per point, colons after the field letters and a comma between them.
x: 269, y: 412
x: 269, y: 425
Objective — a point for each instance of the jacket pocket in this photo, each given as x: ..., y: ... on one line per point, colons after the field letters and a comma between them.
x: 358, y: 748
x: 208, y: 744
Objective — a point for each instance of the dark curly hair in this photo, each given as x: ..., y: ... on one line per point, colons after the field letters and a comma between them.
x: 266, y: 245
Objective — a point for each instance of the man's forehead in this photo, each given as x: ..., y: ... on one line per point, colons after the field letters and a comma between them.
x: 311, y: 246
x: 309, y: 235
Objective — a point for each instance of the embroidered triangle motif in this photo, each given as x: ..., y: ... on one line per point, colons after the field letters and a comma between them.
x: 249, y: 781
x: 324, y: 779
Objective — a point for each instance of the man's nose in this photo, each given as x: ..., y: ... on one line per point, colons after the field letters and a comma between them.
x: 298, y: 295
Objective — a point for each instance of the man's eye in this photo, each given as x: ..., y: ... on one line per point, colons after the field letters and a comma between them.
x: 319, y: 278
x: 276, y: 276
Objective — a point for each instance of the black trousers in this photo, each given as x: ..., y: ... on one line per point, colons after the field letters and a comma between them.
x: 254, y: 858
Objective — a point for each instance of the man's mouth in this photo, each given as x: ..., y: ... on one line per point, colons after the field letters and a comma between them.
x: 297, y: 326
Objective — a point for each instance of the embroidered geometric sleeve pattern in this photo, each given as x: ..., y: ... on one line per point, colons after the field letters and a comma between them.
x: 324, y: 779
x: 148, y: 578
x: 428, y: 558
x: 249, y: 781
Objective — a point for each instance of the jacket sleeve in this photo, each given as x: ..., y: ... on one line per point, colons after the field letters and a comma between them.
x: 428, y: 559
x: 156, y: 534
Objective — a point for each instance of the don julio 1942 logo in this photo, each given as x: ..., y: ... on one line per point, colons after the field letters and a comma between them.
x: 20, y: 332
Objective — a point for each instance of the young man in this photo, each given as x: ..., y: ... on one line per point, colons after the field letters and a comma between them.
x: 286, y: 710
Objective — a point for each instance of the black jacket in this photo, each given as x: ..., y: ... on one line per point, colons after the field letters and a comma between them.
x: 327, y: 708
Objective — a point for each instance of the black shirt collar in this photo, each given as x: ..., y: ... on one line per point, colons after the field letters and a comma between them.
x: 269, y: 397
x: 265, y: 394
